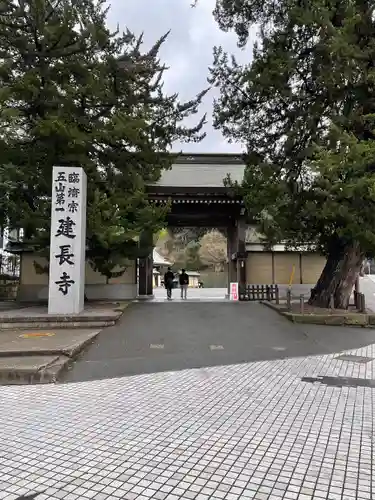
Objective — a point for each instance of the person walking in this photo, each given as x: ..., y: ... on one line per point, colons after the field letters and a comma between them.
x: 184, y: 283
x: 168, y: 282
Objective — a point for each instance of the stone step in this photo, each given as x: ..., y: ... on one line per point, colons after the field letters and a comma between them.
x: 60, y: 318
x: 36, y: 369
x: 37, y: 357
x: 21, y: 323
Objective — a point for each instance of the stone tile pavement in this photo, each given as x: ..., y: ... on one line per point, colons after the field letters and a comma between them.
x: 249, y: 431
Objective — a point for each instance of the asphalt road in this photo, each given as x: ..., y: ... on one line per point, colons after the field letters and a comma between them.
x: 167, y: 336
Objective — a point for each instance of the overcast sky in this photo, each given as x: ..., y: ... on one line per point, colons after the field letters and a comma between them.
x: 188, y: 50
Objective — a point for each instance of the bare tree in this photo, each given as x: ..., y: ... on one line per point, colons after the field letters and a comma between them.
x: 213, y: 250
x: 175, y: 244
x: 164, y: 243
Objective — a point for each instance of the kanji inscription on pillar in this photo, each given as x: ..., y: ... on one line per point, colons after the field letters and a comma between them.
x: 68, y: 241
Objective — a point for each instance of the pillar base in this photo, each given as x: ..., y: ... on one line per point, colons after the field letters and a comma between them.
x: 145, y: 297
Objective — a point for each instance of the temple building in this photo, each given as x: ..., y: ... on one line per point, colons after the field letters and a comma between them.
x: 195, y: 187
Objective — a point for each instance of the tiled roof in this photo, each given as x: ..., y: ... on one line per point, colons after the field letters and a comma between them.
x: 158, y: 260
x: 200, y: 175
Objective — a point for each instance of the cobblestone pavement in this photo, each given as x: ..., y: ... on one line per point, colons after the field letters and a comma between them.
x: 297, y: 428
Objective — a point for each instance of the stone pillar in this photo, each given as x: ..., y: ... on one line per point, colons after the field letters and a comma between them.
x: 68, y: 241
x: 145, y: 285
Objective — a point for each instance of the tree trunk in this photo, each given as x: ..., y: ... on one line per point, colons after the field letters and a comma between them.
x: 338, y: 277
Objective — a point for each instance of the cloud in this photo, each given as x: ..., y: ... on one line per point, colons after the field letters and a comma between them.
x: 187, y: 51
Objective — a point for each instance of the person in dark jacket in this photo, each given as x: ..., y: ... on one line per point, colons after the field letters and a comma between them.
x: 168, y: 282
x: 184, y: 283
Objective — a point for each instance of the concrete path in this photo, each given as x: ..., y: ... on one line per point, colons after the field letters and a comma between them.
x: 161, y: 336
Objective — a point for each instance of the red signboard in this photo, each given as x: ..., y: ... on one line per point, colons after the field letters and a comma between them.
x: 233, y: 291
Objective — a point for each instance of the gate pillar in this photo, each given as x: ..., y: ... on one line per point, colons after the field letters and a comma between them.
x: 241, y: 251
x: 231, y: 249
x: 145, y: 275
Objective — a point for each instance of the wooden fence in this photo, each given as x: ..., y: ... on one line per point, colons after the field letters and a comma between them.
x: 8, y: 291
x: 259, y: 292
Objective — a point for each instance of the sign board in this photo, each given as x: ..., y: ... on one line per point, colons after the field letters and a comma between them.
x: 68, y: 241
x: 233, y: 294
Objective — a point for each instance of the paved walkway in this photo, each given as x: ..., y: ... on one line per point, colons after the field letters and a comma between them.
x: 161, y: 336
x: 153, y: 337
x: 260, y: 430
x: 256, y: 408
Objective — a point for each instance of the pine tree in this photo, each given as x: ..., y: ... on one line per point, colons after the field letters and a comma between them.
x: 304, y: 109
x: 74, y: 93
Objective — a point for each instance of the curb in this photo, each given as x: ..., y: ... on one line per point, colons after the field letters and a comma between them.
x: 363, y: 320
x: 69, y: 353
x: 47, y: 374
x: 66, y: 325
x: 56, y: 317
x: 56, y: 324
x: 56, y: 321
